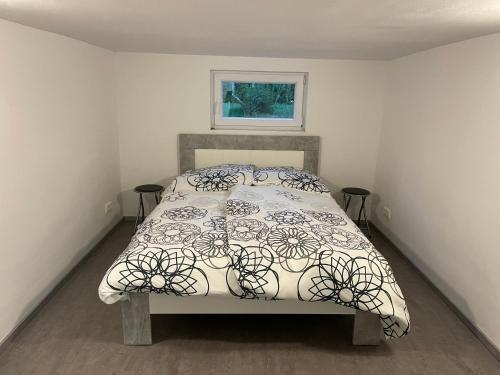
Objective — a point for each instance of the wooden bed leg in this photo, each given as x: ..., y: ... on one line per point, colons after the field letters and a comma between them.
x: 367, y: 329
x: 136, y: 321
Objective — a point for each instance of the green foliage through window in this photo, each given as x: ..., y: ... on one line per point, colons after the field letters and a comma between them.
x: 258, y: 100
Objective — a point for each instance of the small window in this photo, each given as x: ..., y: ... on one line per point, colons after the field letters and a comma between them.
x: 258, y: 100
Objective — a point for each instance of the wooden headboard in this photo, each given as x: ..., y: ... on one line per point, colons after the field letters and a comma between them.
x: 188, y: 143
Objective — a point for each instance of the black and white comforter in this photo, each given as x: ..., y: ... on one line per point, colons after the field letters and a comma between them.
x: 265, y: 242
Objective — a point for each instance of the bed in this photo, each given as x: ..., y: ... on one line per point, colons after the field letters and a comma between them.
x: 226, y: 246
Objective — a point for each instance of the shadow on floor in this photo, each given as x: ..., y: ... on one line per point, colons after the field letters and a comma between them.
x: 328, y: 333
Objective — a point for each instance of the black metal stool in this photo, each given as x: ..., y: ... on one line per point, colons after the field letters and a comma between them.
x: 144, y: 189
x: 349, y: 192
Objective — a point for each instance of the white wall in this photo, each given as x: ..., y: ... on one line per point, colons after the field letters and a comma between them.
x: 159, y: 96
x: 59, y: 154
x: 437, y: 167
x: 439, y: 171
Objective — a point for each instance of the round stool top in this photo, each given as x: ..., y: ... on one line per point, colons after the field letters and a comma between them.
x: 151, y: 188
x: 355, y: 191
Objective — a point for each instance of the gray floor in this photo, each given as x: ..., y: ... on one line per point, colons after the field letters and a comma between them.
x: 74, y: 333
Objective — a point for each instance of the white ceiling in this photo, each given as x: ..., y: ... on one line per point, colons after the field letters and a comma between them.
x: 348, y: 29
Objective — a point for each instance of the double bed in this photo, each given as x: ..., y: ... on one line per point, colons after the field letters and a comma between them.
x: 247, y: 237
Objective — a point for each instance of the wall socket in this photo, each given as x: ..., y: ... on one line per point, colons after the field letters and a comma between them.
x: 387, y: 212
x: 108, y: 206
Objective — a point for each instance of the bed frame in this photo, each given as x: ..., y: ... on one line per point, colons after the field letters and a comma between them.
x: 297, y: 151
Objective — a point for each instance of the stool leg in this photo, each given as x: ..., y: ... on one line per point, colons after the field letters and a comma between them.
x: 157, y: 197
x: 366, y: 220
x: 348, y: 202
x: 361, y: 209
x: 138, y: 213
x: 142, y: 208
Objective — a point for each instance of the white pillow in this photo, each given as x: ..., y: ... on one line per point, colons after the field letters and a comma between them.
x: 217, y: 178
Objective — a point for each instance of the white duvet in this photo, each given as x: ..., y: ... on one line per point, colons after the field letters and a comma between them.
x: 265, y: 242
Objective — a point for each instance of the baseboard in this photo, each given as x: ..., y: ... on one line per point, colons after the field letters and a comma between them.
x: 83, y: 254
x: 490, y: 346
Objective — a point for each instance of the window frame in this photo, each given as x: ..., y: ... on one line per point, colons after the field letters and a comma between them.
x: 218, y: 122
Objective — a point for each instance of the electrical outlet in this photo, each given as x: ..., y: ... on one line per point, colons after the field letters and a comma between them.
x: 387, y: 212
x: 108, y: 207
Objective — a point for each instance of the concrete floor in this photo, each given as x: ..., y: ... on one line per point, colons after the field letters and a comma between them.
x: 75, y: 333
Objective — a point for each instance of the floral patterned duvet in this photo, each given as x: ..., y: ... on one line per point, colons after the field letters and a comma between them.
x: 263, y: 242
